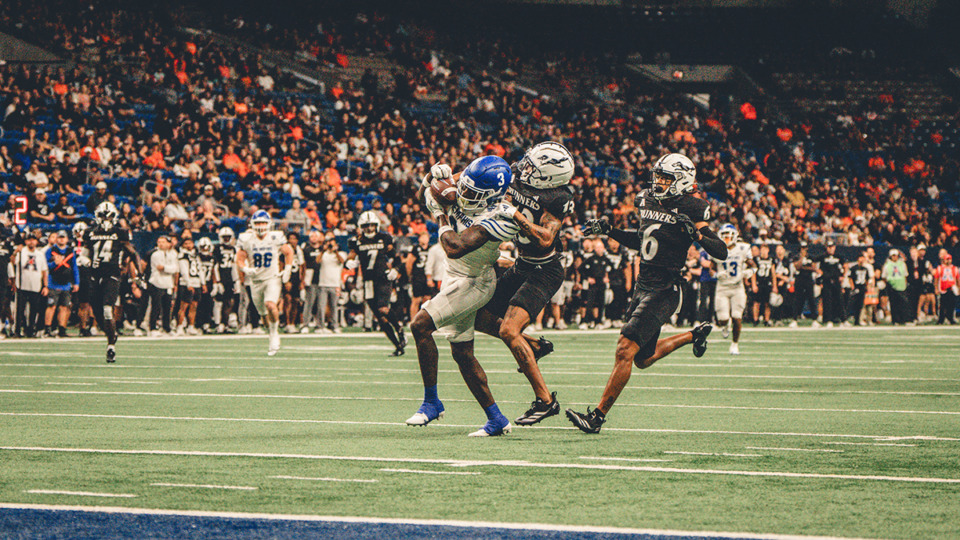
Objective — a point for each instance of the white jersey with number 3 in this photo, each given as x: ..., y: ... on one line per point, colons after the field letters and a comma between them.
x: 498, y: 226
x: 263, y: 254
x: 730, y: 272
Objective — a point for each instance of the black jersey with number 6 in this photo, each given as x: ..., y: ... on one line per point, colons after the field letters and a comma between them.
x: 664, y: 241
x: 532, y: 203
x: 106, y: 250
x: 374, y: 253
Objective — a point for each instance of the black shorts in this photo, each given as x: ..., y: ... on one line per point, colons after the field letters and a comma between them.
x: 83, y: 293
x: 228, y: 287
x: 105, y: 290
x: 187, y: 294
x: 58, y: 298
x: 648, y: 311
x: 763, y: 293
x: 377, y: 293
x: 527, y: 286
x: 421, y: 289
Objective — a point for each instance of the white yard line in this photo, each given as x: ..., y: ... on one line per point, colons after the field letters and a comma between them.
x: 320, y: 479
x: 398, y: 521
x: 388, y: 398
x: 71, y: 383
x: 638, y: 460
x: 793, y: 449
x: 461, y: 426
x: 868, y: 443
x: 514, y: 463
x: 78, y: 493
x: 724, y: 454
x: 205, y: 486
x: 415, y: 471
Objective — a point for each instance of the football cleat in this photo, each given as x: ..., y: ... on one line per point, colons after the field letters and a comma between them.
x: 734, y: 348
x: 111, y: 354
x: 428, y: 412
x: 725, y: 332
x: 700, y: 334
x: 587, y: 423
x: 545, y: 348
x: 493, y: 428
x: 398, y: 352
x: 274, y: 347
x: 539, y: 411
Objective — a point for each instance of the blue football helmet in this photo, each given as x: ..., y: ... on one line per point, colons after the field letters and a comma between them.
x: 728, y: 233
x: 260, y: 223
x: 483, y: 183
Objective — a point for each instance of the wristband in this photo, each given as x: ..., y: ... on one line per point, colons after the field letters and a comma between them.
x: 443, y: 229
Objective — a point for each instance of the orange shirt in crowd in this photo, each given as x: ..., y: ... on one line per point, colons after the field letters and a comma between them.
x: 232, y: 161
x: 154, y: 160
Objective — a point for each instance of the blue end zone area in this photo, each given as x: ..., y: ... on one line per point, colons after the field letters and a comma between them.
x: 40, y: 524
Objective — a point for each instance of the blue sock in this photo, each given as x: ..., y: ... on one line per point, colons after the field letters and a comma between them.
x: 430, y: 394
x: 492, y: 412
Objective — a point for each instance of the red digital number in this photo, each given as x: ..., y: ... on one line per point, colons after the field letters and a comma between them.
x: 18, y: 213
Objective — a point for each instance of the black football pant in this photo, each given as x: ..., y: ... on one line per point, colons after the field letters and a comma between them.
x: 898, y: 305
x: 948, y: 307
x: 160, y: 303
x: 856, y: 304
x: 804, y: 297
x: 33, y: 322
x: 832, y: 298
x: 708, y: 290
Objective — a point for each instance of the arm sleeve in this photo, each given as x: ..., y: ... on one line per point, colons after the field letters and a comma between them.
x: 712, y: 244
x: 499, y: 228
x: 627, y: 237
x: 76, y: 271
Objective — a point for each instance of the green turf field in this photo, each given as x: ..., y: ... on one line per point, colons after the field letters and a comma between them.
x: 830, y: 432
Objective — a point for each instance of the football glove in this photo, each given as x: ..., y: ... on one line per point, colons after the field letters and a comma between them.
x: 432, y: 205
x: 688, y: 225
x: 441, y: 171
x: 506, y: 210
x: 393, y: 274
x: 600, y: 227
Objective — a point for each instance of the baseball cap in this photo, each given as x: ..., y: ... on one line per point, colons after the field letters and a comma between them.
x: 63, y: 234
x: 101, y: 185
x: 894, y: 252
x: 921, y: 247
x: 831, y: 243
x: 39, y: 191
x: 803, y: 244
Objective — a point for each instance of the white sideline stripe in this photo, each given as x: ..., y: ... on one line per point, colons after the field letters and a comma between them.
x: 415, y: 471
x: 366, y: 371
x: 132, y: 382
x: 387, y: 398
x: 204, y: 486
x: 398, y: 521
x: 724, y: 454
x: 359, y: 480
x: 511, y: 463
x: 868, y: 443
x: 71, y: 383
x: 299, y: 379
x: 448, y: 425
x: 640, y: 460
x: 793, y: 449
x: 78, y: 493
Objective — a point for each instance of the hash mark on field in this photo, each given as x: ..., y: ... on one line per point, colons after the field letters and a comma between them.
x: 71, y: 383
x: 78, y: 493
x: 641, y: 460
x: 205, y: 486
x: 868, y: 443
x: 724, y: 454
x: 415, y: 471
x: 133, y: 382
x: 794, y: 449
x: 359, y: 480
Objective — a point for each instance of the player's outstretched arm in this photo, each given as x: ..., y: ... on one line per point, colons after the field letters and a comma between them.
x: 545, y: 233
x: 457, y: 245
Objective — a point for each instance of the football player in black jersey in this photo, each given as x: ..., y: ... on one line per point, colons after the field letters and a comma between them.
x: 107, y: 246
x: 764, y: 286
x: 416, y: 262
x: 208, y: 281
x: 670, y: 221
x: 373, y: 249
x: 542, y: 197
x: 225, y: 255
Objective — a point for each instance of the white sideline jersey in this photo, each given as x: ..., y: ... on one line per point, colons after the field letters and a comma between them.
x: 730, y: 272
x: 263, y: 254
x: 501, y: 228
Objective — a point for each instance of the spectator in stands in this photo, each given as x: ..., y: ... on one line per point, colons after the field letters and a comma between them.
x: 97, y: 197
x: 40, y: 211
x: 296, y: 218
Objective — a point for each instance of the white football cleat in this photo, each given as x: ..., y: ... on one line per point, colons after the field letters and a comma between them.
x: 274, y: 346
x: 421, y: 419
x: 483, y: 433
x: 725, y: 332
x: 793, y: 324
x: 734, y: 348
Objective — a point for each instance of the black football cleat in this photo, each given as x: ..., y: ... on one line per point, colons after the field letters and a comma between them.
x: 700, y: 334
x: 539, y: 411
x: 111, y: 354
x: 587, y: 423
x: 545, y: 348
x: 398, y: 352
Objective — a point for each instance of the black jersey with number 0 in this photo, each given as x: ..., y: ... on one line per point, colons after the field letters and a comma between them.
x: 374, y: 253
x: 664, y: 241
x: 532, y: 203
x: 106, y: 249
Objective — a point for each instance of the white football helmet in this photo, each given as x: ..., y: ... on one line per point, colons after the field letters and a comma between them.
x: 106, y: 215
x: 546, y: 165
x: 78, y: 229
x: 673, y: 175
x: 369, y: 223
x: 776, y: 300
x: 225, y: 234
x: 205, y: 245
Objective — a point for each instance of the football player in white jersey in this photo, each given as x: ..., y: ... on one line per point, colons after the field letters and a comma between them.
x: 258, y: 257
x: 470, y: 233
x: 731, y: 298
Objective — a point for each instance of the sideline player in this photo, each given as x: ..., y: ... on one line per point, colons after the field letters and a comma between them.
x: 258, y: 254
x: 731, y: 297
x: 105, y: 245
x: 670, y: 221
x: 471, y: 232
x: 225, y: 255
x: 541, y: 198
x: 374, y: 250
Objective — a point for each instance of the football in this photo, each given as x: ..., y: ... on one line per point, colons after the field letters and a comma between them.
x: 445, y: 191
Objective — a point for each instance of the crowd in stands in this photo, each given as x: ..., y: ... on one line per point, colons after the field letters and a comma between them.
x: 184, y: 133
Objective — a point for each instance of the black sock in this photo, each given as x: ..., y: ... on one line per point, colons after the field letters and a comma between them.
x: 110, y: 329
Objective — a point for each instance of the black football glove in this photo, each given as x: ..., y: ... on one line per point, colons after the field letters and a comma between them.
x: 600, y: 227
x: 688, y: 225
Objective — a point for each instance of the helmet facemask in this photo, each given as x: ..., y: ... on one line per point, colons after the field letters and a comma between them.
x: 261, y: 227
x: 470, y: 199
x: 369, y: 230
x: 729, y: 237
